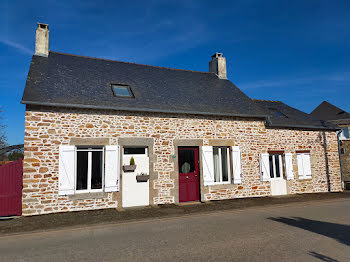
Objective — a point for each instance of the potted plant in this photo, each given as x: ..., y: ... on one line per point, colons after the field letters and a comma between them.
x: 142, y: 177
x: 131, y: 167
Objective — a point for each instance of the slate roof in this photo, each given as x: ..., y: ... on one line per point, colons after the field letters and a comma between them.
x: 66, y: 80
x: 282, y: 115
x: 76, y: 81
x: 327, y: 111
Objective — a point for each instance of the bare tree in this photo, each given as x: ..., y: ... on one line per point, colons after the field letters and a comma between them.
x: 3, y: 139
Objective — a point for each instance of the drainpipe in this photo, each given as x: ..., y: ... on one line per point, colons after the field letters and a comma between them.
x: 341, y: 167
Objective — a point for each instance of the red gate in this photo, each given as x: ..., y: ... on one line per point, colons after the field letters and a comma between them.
x: 11, y: 188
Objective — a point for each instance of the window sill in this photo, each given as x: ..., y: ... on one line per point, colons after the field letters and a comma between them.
x: 222, y: 186
x: 303, y: 179
x: 83, y: 196
x: 219, y: 183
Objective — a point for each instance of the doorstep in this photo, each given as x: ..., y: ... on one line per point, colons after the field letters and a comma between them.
x: 133, y: 208
x: 188, y: 203
x: 9, y: 217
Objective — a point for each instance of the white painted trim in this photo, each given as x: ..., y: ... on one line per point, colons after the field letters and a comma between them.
x: 288, y: 159
x: 208, y: 165
x: 274, y: 167
x: 89, y: 174
x: 302, y: 172
x: 66, y: 173
x: 229, y: 158
x: 112, y: 168
x: 237, y: 165
x: 265, y: 176
x: 221, y: 182
x: 220, y: 167
x: 89, y: 171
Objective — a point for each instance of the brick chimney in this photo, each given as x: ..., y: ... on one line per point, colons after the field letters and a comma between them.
x: 217, y: 65
x: 42, y: 40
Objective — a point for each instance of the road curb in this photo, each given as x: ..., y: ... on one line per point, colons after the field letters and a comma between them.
x: 173, y: 216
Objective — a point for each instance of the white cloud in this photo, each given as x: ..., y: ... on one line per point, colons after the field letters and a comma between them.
x: 16, y: 46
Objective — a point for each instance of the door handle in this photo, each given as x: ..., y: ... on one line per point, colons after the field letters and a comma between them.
x: 186, y: 177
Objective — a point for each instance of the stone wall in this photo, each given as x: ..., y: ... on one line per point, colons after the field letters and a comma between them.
x: 48, y: 128
x: 344, y: 145
x: 345, y: 159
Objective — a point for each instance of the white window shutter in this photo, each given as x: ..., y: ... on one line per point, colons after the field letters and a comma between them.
x: 307, y: 165
x: 236, y: 162
x: 66, y: 174
x: 265, y: 167
x: 208, y: 165
x: 289, y: 165
x: 112, y: 168
x: 300, y: 166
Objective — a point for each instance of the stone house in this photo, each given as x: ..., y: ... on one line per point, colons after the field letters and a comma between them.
x: 328, y: 112
x: 108, y: 134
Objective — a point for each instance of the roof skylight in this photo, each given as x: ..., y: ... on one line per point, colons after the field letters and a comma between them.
x: 120, y: 90
x: 278, y: 113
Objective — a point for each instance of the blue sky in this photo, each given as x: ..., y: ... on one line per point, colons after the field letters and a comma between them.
x: 295, y: 51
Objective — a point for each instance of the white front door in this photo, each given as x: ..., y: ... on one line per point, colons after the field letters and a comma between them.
x: 278, y: 183
x: 135, y: 193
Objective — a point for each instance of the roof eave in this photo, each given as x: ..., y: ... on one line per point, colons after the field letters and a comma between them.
x: 149, y: 110
x: 302, y: 126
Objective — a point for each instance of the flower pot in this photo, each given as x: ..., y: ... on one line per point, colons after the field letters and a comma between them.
x: 142, y: 178
x: 129, y: 168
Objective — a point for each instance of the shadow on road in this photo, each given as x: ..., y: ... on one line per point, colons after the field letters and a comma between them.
x: 338, y: 232
x: 322, y: 257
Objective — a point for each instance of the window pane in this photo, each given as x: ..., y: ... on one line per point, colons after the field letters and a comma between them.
x: 82, y: 170
x: 277, y: 163
x: 216, y: 165
x: 271, y: 166
x: 345, y: 132
x: 186, y: 161
x: 134, y: 150
x: 276, y: 112
x: 120, y: 90
x: 224, y: 159
x: 96, y: 170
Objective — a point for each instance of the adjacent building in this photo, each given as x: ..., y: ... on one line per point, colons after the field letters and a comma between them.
x: 328, y: 112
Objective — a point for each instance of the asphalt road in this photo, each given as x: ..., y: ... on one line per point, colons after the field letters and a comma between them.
x: 318, y: 231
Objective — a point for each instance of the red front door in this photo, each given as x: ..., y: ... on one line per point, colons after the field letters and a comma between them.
x: 188, y: 174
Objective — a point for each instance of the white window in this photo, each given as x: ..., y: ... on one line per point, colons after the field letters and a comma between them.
x: 221, y: 164
x: 276, y: 166
x: 88, y: 169
x: 304, y: 165
x: 344, y: 133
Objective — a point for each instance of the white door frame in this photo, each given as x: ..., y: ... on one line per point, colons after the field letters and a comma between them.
x: 135, y: 193
x: 278, y: 184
